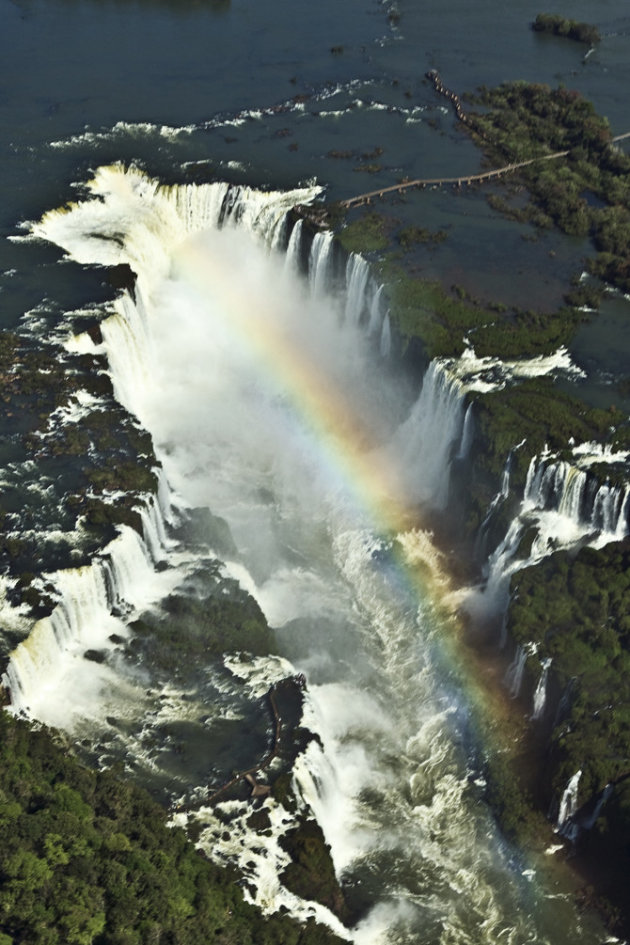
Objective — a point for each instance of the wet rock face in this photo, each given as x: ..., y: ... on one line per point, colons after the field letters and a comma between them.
x: 311, y: 874
x: 95, y: 656
x: 75, y: 463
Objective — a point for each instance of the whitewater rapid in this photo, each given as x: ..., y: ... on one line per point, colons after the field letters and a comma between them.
x: 268, y: 401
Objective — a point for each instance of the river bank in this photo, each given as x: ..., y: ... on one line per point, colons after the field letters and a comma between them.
x: 524, y: 663
x: 167, y: 98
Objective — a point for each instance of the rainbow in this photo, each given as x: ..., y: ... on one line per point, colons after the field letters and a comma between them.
x: 343, y: 444
x: 346, y: 445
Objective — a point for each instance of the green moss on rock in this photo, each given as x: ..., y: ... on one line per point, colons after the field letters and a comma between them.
x: 367, y: 234
x: 311, y: 874
x: 88, y: 858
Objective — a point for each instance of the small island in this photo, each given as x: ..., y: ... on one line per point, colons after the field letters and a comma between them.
x: 572, y: 29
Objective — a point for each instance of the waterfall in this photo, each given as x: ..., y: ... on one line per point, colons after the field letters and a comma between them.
x: 501, y: 566
x: 386, y: 338
x: 119, y: 580
x: 540, y: 694
x: 498, y: 498
x: 155, y: 512
x: 505, y: 477
x: 163, y: 498
x: 589, y: 822
x: 563, y: 505
x: 320, y: 262
x: 425, y: 440
x: 379, y: 323
x: 230, y: 439
x: 578, y: 497
x: 193, y: 204
x: 516, y: 669
x: 154, y: 534
x: 123, y: 577
x: 565, y: 701
x: 468, y: 433
x: 376, y: 316
x: 558, y: 486
x: 610, y: 510
x: 293, y: 255
x: 568, y: 806
x: 128, y: 347
x: 357, y: 275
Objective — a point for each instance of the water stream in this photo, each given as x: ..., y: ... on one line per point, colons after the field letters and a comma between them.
x: 269, y: 403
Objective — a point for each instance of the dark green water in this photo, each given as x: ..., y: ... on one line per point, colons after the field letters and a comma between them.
x: 194, y: 90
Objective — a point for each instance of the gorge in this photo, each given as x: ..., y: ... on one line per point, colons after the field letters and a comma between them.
x: 240, y: 455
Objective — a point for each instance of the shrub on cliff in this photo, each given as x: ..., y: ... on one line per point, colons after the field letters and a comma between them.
x: 576, y: 609
x: 88, y: 860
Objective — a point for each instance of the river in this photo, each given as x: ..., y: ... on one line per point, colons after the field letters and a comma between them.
x: 174, y: 138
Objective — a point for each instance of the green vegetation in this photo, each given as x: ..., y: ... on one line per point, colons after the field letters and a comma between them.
x: 199, y: 626
x: 88, y: 860
x: 512, y: 802
x: 578, y: 611
x: 576, y: 608
x: 585, y: 193
x: 411, y: 235
x: 559, y: 26
x: 447, y: 322
x: 370, y: 168
x: 368, y: 234
x: 536, y: 411
x: 310, y: 873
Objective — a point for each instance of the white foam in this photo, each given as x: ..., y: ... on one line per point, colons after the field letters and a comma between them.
x: 188, y: 356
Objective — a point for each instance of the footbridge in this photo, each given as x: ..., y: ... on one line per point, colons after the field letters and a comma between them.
x: 461, y: 180
x: 250, y: 774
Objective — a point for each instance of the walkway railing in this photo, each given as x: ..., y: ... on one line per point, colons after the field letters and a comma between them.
x: 463, y: 179
x: 249, y: 775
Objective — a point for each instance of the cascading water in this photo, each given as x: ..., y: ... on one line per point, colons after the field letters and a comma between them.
x: 320, y: 262
x: 385, y: 346
x: 540, y: 693
x: 375, y: 324
x: 497, y: 500
x: 562, y: 505
x: 568, y: 806
x: 294, y: 248
x: 500, y: 567
x: 49, y: 662
x: 357, y: 280
x: 516, y: 669
x: 467, y: 433
x: 425, y: 441
x: 265, y: 406
x: 589, y: 822
x: 587, y: 504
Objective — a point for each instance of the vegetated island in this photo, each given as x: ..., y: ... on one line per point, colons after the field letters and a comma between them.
x: 572, y: 29
x: 570, y: 610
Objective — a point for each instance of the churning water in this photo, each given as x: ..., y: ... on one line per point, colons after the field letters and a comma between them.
x: 269, y: 401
